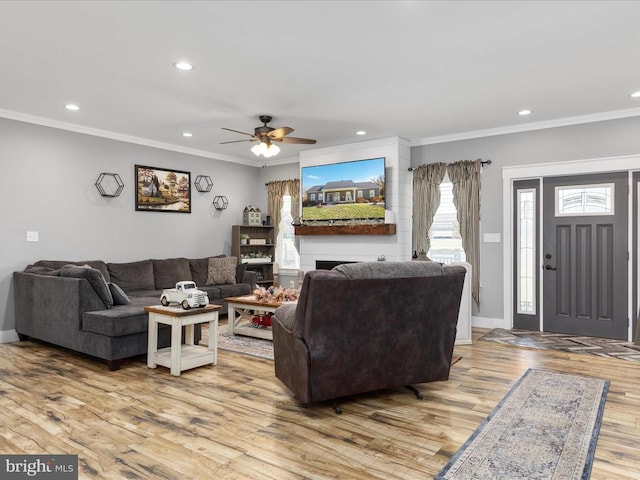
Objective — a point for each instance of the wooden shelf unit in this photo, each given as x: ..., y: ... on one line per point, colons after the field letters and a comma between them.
x: 256, y: 232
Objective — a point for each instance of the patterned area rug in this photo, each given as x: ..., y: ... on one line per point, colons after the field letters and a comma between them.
x: 256, y: 347
x: 546, y: 427
x: 603, y: 347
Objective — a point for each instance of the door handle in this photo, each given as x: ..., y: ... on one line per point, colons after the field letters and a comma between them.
x: 549, y: 267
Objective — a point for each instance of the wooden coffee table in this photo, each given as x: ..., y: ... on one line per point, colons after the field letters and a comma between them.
x: 243, y: 309
x: 179, y: 357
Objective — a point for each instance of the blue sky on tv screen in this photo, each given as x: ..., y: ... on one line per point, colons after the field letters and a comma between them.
x: 357, y: 171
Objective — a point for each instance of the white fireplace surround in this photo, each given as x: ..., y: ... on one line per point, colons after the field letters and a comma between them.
x: 399, y: 204
x: 398, y: 201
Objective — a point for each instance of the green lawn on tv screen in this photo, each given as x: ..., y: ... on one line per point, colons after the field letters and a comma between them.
x: 345, y: 211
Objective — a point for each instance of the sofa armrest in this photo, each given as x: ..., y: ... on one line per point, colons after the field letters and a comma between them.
x: 50, y: 308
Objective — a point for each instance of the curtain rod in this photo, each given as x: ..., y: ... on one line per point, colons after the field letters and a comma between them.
x: 482, y: 162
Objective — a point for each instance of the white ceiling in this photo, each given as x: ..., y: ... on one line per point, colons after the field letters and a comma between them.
x: 425, y: 71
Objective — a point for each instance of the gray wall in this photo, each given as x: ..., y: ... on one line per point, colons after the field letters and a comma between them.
x: 49, y: 175
x: 286, y: 171
x: 48, y: 178
x: 593, y: 140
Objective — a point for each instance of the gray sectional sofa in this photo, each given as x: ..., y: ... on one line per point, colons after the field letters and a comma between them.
x: 97, y: 308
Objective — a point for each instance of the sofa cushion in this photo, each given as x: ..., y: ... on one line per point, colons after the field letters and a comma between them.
x: 133, y: 275
x: 118, y: 321
x: 95, y: 279
x: 222, y: 270
x: 200, y: 269
x: 119, y: 297
x: 58, y: 264
x: 233, y: 290
x: 169, y: 271
x: 213, y: 291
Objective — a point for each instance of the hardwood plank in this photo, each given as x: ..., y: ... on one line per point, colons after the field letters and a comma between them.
x: 236, y: 421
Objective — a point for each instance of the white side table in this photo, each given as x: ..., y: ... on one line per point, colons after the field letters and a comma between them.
x: 180, y: 357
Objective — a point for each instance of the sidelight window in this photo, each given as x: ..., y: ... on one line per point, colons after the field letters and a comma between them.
x: 526, y: 251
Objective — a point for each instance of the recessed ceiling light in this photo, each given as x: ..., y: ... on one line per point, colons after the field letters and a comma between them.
x: 185, y: 66
x: 187, y: 134
x: 72, y: 106
x: 525, y: 112
x: 635, y: 94
x: 361, y: 132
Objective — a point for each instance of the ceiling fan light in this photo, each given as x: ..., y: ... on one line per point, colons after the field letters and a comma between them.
x: 258, y: 149
x: 266, y: 150
x: 272, y: 151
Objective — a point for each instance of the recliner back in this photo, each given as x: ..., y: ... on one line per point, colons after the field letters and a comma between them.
x: 377, y: 325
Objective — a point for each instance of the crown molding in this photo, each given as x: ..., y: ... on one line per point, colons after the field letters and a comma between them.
x: 527, y: 127
x: 72, y: 127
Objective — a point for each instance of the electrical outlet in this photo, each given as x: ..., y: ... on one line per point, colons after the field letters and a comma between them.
x: 32, y: 236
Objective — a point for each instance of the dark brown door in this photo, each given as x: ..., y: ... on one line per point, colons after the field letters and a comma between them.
x: 585, y: 255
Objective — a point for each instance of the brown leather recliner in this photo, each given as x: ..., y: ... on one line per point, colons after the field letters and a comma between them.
x: 368, y: 326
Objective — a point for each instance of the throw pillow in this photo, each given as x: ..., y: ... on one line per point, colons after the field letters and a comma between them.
x: 222, y: 270
x: 119, y: 297
x: 200, y: 269
x: 94, y: 277
x: 240, y: 269
x: 42, y: 270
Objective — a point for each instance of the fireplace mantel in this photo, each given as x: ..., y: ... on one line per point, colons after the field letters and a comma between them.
x: 377, y: 229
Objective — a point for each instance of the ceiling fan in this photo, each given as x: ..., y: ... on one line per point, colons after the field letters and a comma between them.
x: 267, y: 136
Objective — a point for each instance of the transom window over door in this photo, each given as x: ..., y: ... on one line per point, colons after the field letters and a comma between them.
x: 576, y: 200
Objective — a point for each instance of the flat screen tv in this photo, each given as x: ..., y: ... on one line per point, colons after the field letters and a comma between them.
x: 344, y: 191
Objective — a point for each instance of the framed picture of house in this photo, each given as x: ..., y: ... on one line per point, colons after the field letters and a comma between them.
x: 161, y: 190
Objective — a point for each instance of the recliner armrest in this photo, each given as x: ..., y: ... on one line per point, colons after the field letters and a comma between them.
x: 285, y: 315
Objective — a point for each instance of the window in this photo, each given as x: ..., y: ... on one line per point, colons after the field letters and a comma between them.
x: 287, y: 255
x: 576, y: 200
x: 446, y: 242
x: 526, y: 251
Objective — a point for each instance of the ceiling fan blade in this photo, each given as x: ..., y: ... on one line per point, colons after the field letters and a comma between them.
x: 308, y: 141
x: 238, y: 141
x: 280, y: 132
x: 237, y: 131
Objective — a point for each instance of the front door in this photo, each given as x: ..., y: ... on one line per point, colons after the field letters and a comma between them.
x: 585, y: 255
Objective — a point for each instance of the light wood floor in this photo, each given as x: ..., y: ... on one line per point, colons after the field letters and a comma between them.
x: 236, y: 421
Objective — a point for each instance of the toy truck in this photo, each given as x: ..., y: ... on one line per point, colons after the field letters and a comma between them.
x: 186, y: 294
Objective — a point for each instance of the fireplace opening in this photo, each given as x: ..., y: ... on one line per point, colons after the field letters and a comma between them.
x: 329, y: 264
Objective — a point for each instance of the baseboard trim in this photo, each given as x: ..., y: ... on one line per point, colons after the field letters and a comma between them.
x: 487, y: 322
x: 7, y: 336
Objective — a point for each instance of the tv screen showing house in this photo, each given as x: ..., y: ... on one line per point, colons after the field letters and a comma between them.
x: 351, y: 190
